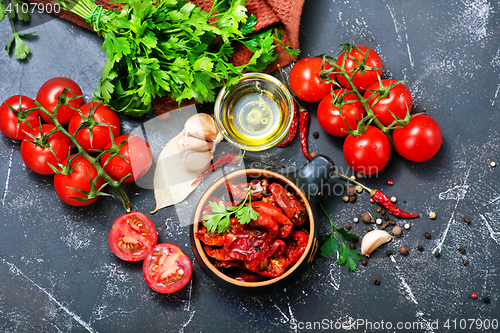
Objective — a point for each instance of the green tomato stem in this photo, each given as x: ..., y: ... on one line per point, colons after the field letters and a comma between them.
x: 100, y: 171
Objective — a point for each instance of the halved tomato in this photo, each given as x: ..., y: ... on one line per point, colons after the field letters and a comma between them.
x: 132, y: 237
x: 167, y: 269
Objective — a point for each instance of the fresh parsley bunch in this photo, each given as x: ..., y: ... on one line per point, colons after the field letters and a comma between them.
x: 330, y: 244
x: 173, y: 48
x: 220, y: 221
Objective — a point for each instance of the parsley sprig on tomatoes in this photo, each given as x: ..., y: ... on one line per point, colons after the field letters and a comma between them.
x: 221, y: 220
x: 173, y: 48
x: 330, y: 244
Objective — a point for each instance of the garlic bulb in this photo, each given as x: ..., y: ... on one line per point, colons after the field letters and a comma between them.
x: 187, y: 142
x: 196, y: 160
x: 374, y: 239
x: 203, y: 126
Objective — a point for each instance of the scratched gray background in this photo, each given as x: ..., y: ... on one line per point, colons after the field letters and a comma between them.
x: 58, y: 274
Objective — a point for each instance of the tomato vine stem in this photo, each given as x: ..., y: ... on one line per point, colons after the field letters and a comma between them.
x: 370, y: 115
x: 116, y: 185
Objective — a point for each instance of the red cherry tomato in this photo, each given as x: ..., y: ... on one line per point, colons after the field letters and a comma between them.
x: 367, y: 73
x: 136, y: 158
x: 398, y: 101
x: 37, y: 153
x: 329, y: 116
x: 419, y: 140
x: 369, y: 152
x: 166, y: 269
x: 132, y: 237
x: 67, y: 186
x: 15, y: 124
x: 100, y: 133
x: 48, y: 97
x: 305, y: 82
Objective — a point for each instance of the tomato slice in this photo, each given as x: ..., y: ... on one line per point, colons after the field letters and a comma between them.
x: 132, y: 237
x: 167, y: 269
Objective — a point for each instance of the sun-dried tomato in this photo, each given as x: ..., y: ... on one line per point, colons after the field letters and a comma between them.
x: 246, y: 244
x: 284, y: 223
x: 295, y: 246
x: 291, y: 206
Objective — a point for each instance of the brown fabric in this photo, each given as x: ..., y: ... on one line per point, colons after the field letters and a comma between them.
x: 282, y: 14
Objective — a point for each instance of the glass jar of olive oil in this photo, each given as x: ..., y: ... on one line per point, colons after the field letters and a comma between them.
x: 256, y: 113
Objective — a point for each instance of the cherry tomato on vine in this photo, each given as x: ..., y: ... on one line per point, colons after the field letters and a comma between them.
x: 36, y: 153
x: 369, y: 152
x: 48, y: 97
x: 305, y: 82
x: 15, y: 124
x: 368, y: 70
x: 136, y: 158
x: 419, y: 140
x: 166, y: 269
x: 132, y: 237
x: 329, y: 116
x: 398, y: 101
x: 103, y: 114
x: 68, y: 187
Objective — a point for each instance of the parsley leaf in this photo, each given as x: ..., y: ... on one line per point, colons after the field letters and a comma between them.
x: 14, y: 10
x: 346, y: 255
x: 221, y: 220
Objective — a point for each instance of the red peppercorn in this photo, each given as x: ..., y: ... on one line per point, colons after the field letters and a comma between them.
x: 473, y: 296
x: 372, y: 200
x: 390, y: 182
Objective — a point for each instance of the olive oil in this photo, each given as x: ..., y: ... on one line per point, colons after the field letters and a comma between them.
x: 255, y: 116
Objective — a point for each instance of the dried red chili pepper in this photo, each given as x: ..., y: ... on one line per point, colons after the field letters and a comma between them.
x: 226, y: 159
x: 293, y: 128
x: 304, y: 127
x: 382, y: 200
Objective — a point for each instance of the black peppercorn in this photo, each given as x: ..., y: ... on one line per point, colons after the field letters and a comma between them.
x: 315, y: 135
x: 389, y: 253
x: 348, y: 226
x: 420, y: 248
x: 382, y: 212
x: 427, y: 235
x: 437, y: 254
x: 352, y: 246
x: 353, y: 198
x: 466, y: 220
x: 461, y: 250
x: 364, y: 262
x: 370, y: 229
x: 379, y: 209
x: 376, y: 281
x: 464, y: 262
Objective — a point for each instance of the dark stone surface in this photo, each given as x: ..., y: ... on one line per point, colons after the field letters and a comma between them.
x: 59, y: 275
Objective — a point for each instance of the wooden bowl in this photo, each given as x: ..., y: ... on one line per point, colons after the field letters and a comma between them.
x: 226, y: 282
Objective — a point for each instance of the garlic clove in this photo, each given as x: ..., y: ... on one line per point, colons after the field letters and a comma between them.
x: 373, y: 240
x: 202, y: 126
x: 196, y: 160
x: 187, y: 142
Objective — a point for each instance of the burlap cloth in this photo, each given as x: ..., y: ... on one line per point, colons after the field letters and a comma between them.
x: 282, y: 14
